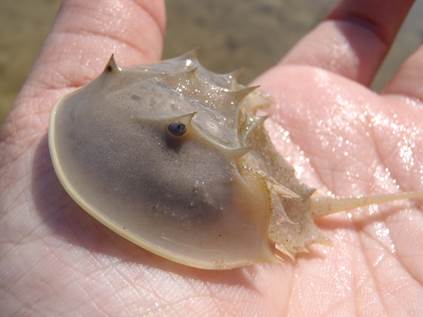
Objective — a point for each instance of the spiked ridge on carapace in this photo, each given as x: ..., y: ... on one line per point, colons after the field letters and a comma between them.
x: 174, y: 158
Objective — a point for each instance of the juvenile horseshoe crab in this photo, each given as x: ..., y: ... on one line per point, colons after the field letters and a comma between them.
x: 173, y: 158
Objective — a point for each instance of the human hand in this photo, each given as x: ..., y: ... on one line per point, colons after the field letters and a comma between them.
x: 57, y: 261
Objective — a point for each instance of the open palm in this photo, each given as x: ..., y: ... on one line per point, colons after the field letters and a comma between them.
x: 57, y: 261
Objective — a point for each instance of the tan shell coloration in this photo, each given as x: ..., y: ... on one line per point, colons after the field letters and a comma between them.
x: 172, y: 157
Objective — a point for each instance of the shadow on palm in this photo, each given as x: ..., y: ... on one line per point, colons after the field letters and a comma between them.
x: 68, y: 222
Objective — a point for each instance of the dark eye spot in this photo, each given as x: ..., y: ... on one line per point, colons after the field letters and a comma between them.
x: 177, y: 128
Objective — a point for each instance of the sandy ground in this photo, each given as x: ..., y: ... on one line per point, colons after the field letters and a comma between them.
x: 231, y: 34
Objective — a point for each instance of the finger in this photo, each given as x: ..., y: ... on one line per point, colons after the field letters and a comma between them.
x: 86, y: 33
x: 409, y: 79
x: 84, y: 36
x: 354, y: 39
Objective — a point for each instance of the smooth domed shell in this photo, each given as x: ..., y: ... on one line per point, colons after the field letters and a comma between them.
x: 182, y: 197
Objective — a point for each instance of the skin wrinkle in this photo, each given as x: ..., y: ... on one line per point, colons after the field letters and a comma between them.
x: 194, y: 286
x: 380, y: 244
x: 90, y: 275
x: 379, y: 155
x: 310, y: 152
x: 67, y: 312
x: 22, y: 303
x: 357, y: 288
x: 384, y: 157
x: 4, y: 164
x: 10, y: 131
x: 92, y: 257
x: 20, y: 242
x: 372, y: 275
x: 397, y: 289
x: 36, y: 91
x: 49, y: 253
x: 394, y: 179
x: 77, y: 309
x: 332, y: 308
x: 317, y: 172
x: 128, y: 285
x: 150, y: 290
x: 65, y: 264
x: 158, y: 20
x: 402, y: 308
x: 175, y: 282
x: 120, y: 298
x: 112, y: 266
x: 180, y: 301
x: 333, y: 305
x: 210, y: 293
x: 291, y: 286
x: 369, y: 266
x: 354, y: 286
x: 216, y: 301
x: 295, y: 143
x: 90, y: 299
x: 96, y: 35
x: 34, y: 228
x: 14, y: 201
x: 299, y: 310
x: 56, y: 80
x: 167, y: 302
x: 211, y: 308
x: 406, y: 269
x: 22, y: 277
x: 144, y: 11
x: 346, y: 299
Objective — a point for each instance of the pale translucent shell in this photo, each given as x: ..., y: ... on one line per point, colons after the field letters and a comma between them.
x: 191, y: 205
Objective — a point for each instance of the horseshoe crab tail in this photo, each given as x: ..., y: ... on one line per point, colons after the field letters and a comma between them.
x: 322, y: 206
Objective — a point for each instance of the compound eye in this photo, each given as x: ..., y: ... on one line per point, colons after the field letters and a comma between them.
x: 177, y: 129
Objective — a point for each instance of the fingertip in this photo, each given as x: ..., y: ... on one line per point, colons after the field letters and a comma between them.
x: 382, y: 18
x: 84, y: 36
x: 408, y: 81
x: 354, y: 39
x: 86, y: 33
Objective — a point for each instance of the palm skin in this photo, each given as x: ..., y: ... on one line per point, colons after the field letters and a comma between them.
x: 342, y: 137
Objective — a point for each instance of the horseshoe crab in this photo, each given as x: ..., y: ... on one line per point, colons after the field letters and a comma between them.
x: 173, y: 157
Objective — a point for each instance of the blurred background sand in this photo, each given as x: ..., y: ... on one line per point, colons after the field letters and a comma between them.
x: 230, y: 34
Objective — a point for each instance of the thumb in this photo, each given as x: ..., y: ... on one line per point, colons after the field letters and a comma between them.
x: 82, y: 39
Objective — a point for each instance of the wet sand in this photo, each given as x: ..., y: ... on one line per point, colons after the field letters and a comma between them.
x: 231, y: 34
